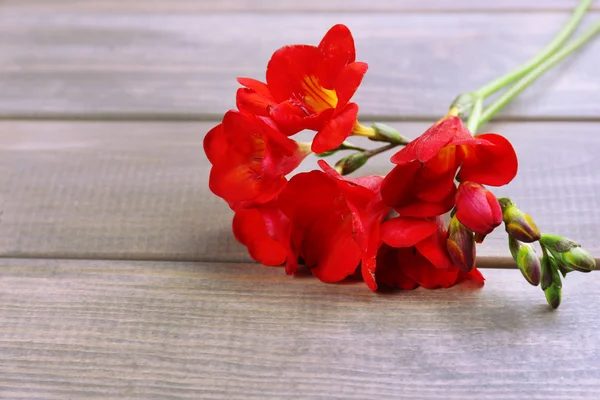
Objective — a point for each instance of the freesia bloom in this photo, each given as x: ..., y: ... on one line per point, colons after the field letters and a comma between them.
x: 415, y: 254
x: 265, y: 231
x: 335, y: 222
x: 310, y: 87
x: 250, y: 159
x: 422, y: 183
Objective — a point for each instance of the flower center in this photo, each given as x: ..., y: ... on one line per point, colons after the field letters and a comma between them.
x: 316, y: 96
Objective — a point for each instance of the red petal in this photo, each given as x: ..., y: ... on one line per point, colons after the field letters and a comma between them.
x: 493, y: 165
x: 249, y: 101
x: 258, y: 231
x: 447, y: 132
x: 329, y: 246
x: 338, y: 50
x: 398, y: 186
x: 291, y: 119
x: 406, y: 231
x: 215, y: 144
x: 289, y: 67
x: 433, y: 248
x: 309, y: 195
x: 348, y: 81
x: 420, y: 270
x: 256, y: 86
x: 477, y: 208
x: 423, y: 209
x: 473, y: 276
x: 336, y: 130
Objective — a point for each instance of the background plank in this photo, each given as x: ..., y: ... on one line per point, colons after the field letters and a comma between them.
x: 200, y: 6
x: 231, y: 331
x: 139, y: 190
x: 128, y: 64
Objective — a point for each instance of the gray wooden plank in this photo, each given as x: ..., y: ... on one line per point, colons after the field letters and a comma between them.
x: 123, y: 64
x: 126, y: 190
x: 92, y: 330
x: 200, y: 6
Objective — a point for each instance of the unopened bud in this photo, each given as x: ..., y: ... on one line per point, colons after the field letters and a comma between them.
x: 550, y: 275
x: 557, y: 243
x: 385, y: 133
x: 461, y: 245
x: 529, y: 264
x: 577, y: 259
x: 351, y: 163
x: 553, y: 296
x: 464, y: 102
x: 514, y: 245
x: 518, y: 224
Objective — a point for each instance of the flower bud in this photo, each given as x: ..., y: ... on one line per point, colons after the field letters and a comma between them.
x: 550, y: 275
x: 514, y: 245
x: 385, y: 133
x: 477, y: 208
x: 577, y: 259
x: 518, y: 224
x: 553, y: 296
x: 557, y: 243
x: 461, y: 245
x: 529, y: 264
x: 351, y: 163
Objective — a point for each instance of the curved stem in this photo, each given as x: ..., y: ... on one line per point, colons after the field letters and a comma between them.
x: 475, y: 115
x: 518, y: 87
x: 550, y: 48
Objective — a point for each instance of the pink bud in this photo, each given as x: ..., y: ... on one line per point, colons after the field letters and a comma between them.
x: 477, y: 208
x: 461, y: 245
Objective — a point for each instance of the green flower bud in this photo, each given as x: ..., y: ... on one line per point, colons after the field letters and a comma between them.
x: 550, y: 275
x: 385, y: 133
x: 464, y: 102
x: 351, y: 163
x: 514, y: 245
x: 577, y: 259
x: 461, y: 245
x: 529, y: 264
x: 557, y: 243
x: 553, y: 296
x: 518, y: 224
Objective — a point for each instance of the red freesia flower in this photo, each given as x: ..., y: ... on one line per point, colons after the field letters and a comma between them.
x: 265, y: 231
x: 477, y: 208
x: 310, y: 87
x: 415, y: 254
x: 250, y: 159
x: 422, y: 183
x: 335, y: 222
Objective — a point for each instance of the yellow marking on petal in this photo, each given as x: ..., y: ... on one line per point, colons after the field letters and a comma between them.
x: 316, y: 96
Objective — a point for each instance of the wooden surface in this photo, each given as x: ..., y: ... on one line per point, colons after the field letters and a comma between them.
x: 183, y: 65
x: 152, y: 330
x: 119, y: 275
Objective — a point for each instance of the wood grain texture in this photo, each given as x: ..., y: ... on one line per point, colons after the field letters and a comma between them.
x: 139, y: 190
x: 97, y: 330
x: 127, y: 64
x: 201, y: 6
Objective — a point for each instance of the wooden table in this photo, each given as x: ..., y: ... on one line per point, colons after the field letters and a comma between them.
x: 120, y: 278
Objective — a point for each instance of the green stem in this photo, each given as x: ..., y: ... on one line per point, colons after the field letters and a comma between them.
x: 475, y: 115
x: 525, y: 68
x: 518, y: 87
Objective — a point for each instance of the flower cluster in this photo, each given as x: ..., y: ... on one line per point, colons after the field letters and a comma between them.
x: 417, y: 226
